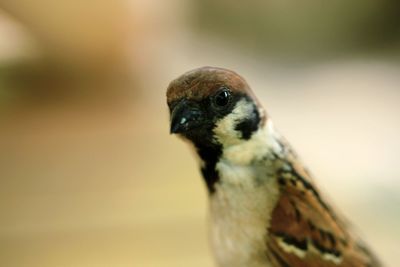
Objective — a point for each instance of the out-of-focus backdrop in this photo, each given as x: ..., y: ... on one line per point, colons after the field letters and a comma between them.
x: 89, y: 175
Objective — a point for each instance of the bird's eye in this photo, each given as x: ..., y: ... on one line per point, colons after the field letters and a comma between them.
x: 222, y: 98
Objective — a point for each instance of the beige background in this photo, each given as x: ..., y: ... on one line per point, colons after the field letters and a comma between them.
x: 89, y: 174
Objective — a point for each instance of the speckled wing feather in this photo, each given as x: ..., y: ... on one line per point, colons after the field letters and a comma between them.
x: 304, y: 230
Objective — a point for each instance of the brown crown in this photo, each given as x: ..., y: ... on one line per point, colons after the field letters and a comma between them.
x: 202, y: 82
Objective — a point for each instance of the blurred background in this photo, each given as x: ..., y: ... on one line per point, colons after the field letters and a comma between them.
x: 89, y: 175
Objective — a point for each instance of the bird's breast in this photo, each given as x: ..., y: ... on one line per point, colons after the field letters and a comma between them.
x: 240, y: 208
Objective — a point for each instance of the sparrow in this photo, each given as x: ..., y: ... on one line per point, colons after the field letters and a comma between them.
x: 265, y: 209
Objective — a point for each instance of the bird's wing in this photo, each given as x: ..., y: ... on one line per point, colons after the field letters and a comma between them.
x: 304, y: 230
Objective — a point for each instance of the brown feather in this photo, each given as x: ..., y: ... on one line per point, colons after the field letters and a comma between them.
x: 203, y: 82
x: 303, y: 221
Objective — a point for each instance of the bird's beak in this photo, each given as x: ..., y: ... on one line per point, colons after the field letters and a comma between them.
x: 185, y: 116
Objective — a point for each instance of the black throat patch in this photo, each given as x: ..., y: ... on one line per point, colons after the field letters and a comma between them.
x: 210, y: 156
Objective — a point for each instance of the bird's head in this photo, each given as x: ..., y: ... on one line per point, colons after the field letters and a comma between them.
x: 213, y: 106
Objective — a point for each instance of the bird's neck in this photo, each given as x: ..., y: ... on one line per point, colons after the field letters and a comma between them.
x: 209, y: 156
x: 263, y: 144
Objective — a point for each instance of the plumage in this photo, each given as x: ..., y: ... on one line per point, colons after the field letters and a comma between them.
x: 266, y: 211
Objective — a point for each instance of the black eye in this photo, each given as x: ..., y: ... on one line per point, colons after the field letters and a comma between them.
x: 222, y: 98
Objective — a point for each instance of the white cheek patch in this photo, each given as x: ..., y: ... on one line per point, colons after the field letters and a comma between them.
x: 225, y: 131
x: 262, y: 142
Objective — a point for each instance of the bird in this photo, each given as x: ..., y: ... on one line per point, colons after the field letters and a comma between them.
x: 265, y: 208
